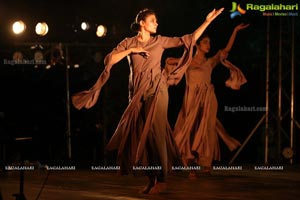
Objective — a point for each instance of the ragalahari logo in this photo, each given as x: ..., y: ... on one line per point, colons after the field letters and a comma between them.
x: 236, y: 10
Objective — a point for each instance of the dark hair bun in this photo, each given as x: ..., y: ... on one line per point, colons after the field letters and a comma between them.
x: 135, y: 27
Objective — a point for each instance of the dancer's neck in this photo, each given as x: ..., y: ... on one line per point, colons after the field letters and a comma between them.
x: 143, y: 36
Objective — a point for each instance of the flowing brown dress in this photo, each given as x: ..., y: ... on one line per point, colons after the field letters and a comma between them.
x: 143, y: 135
x: 197, y: 128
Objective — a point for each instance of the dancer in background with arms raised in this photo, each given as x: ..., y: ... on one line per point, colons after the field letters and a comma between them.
x: 197, y: 128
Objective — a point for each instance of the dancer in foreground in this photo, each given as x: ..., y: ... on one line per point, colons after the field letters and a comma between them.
x: 143, y: 136
x: 197, y: 128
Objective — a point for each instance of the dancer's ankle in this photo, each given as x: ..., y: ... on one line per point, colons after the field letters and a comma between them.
x: 158, y: 188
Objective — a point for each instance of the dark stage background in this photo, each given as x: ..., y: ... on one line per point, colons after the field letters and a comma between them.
x: 33, y: 99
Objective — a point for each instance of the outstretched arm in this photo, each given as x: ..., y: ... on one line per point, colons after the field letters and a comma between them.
x: 233, y: 36
x: 210, y: 17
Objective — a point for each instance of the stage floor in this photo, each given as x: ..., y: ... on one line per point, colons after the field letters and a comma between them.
x: 87, y: 184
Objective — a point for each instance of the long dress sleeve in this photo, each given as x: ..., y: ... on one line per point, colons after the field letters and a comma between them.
x: 175, y: 73
x: 88, y: 98
x: 236, y: 78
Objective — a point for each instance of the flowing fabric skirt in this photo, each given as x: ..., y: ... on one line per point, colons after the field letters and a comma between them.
x: 160, y: 147
x: 197, y: 129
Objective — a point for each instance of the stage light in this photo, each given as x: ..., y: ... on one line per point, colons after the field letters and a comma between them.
x: 48, y: 67
x: 36, y: 46
x: 288, y: 153
x: 85, y: 26
x: 41, y: 28
x: 18, y: 55
x: 101, y: 31
x: 38, y: 56
x: 18, y: 27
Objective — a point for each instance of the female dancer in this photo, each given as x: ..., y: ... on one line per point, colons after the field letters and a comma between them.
x: 197, y: 128
x: 143, y: 136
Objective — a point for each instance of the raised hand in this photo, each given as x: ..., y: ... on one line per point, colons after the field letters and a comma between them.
x: 213, y: 14
x: 241, y: 27
x: 233, y: 35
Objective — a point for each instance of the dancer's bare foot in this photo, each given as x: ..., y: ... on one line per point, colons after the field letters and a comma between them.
x: 206, y: 170
x: 158, y: 188
x: 192, y: 175
x: 146, y: 189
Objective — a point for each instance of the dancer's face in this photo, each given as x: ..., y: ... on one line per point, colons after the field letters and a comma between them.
x: 204, y: 45
x: 149, y: 24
